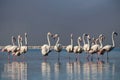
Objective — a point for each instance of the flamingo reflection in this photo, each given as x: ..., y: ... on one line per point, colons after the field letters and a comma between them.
x: 69, y: 70
x: 45, y: 67
x: 15, y: 71
x: 57, y: 70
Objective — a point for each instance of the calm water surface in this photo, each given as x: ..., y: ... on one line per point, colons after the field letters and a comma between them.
x: 31, y: 66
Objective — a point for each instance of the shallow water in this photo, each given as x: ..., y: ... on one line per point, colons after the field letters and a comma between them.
x: 31, y: 66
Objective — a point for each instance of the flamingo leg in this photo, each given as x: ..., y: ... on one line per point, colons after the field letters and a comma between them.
x: 14, y: 57
x: 79, y: 56
x: 98, y: 57
x: 69, y: 57
x: 58, y: 56
x: 91, y: 57
x: 87, y: 57
x: 102, y: 57
x: 45, y: 58
x: 8, y: 56
x: 76, y: 56
x: 107, y: 56
x: 23, y: 57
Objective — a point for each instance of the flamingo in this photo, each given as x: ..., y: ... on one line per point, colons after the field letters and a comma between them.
x: 24, y: 49
x: 93, y: 41
x: 108, y: 48
x: 78, y: 49
x: 17, y: 53
x: 21, y: 49
x: 57, y: 47
x: 15, y: 48
x: 45, y: 49
x: 9, y: 48
x: 94, y: 48
x: 70, y: 47
x: 86, y: 46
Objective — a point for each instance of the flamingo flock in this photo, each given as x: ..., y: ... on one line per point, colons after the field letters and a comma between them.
x: 90, y: 46
x: 16, y: 50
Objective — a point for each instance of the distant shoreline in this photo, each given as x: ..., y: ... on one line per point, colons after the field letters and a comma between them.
x: 31, y: 47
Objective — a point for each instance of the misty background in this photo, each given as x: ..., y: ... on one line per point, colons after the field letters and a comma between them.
x: 37, y: 17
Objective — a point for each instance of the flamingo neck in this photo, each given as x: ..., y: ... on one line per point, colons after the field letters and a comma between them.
x: 26, y: 41
x: 88, y: 41
x: 100, y: 41
x: 13, y: 42
x: 18, y: 42
x: 78, y: 42
x: 71, y: 41
x: 83, y: 39
x: 21, y: 43
x: 57, y: 41
x: 48, y: 40
x: 113, y: 42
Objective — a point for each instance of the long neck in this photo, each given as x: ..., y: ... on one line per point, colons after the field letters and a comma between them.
x: 48, y: 40
x: 88, y: 41
x: 100, y: 41
x: 26, y: 41
x: 83, y: 39
x: 113, y: 42
x: 57, y: 40
x: 71, y: 41
x: 13, y: 42
x: 78, y: 42
x: 18, y: 42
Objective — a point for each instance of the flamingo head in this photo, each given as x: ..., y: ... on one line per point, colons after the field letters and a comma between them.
x: 25, y: 34
x: 14, y: 39
x: 80, y: 38
x: 88, y: 36
x: 19, y: 38
x: 96, y: 40
x: 115, y: 33
x: 102, y: 37
x: 50, y: 34
x: 71, y: 35
x: 85, y: 34
x: 55, y: 36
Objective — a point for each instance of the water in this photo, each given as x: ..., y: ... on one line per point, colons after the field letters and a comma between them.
x: 31, y: 66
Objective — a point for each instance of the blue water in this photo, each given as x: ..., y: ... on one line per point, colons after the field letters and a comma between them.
x: 32, y: 66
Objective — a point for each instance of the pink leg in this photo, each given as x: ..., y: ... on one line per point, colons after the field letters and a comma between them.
x: 45, y: 58
x: 8, y: 56
x: 14, y: 57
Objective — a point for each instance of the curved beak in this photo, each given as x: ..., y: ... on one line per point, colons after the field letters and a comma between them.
x: 116, y: 33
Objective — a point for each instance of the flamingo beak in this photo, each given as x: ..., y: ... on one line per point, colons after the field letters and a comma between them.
x: 53, y: 37
x: 116, y: 33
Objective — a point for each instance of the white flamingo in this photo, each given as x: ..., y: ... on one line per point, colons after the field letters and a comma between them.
x: 70, y: 47
x: 9, y: 48
x: 78, y: 49
x: 86, y: 46
x: 101, y: 45
x: 96, y: 47
x: 45, y: 49
x: 24, y: 49
x: 57, y: 47
x: 108, y: 48
x: 15, y: 48
x: 17, y: 53
x: 93, y: 41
